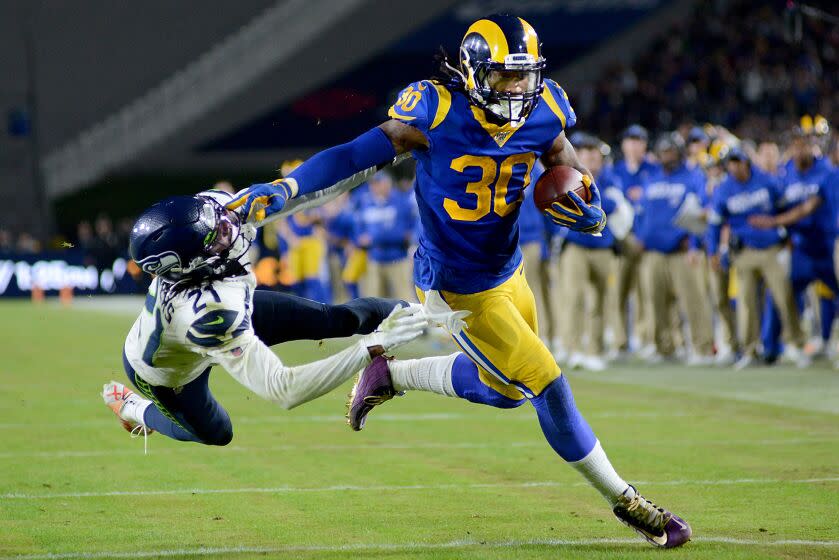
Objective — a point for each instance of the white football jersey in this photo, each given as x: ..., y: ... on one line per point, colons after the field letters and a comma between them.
x: 179, y: 332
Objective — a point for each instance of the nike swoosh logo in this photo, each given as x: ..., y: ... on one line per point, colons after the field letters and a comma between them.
x: 218, y: 321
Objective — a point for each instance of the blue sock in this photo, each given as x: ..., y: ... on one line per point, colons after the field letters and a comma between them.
x: 468, y: 386
x: 352, y: 290
x: 827, y: 308
x: 565, y: 429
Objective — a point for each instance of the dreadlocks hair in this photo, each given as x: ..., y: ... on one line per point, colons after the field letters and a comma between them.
x: 445, y: 73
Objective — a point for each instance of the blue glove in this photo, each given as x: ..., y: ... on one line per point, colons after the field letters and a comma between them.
x: 587, y: 218
x: 261, y: 200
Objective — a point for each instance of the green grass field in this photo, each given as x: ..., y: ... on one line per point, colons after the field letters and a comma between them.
x: 751, y: 459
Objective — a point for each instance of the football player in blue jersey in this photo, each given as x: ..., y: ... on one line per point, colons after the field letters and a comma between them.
x: 808, y: 217
x: 755, y: 253
x: 632, y: 171
x: 476, y: 135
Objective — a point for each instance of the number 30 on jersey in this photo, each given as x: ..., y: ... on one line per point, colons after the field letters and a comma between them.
x: 491, y: 189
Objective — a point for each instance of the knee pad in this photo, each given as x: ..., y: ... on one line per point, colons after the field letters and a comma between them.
x: 220, y: 434
x: 468, y: 385
x: 564, y: 427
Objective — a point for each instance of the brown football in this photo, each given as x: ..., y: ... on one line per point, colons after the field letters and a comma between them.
x: 555, y: 184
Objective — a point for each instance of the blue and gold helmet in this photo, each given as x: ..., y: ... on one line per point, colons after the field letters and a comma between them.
x: 498, y: 50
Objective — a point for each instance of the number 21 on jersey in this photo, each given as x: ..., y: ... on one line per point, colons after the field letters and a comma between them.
x: 491, y: 189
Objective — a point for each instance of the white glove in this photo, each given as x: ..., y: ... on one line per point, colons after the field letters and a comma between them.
x: 438, y: 313
x: 403, y: 325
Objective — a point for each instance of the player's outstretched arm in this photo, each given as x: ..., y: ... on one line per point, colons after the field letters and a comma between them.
x: 256, y: 367
x: 279, y: 317
x: 374, y: 149
x: 788, y: 218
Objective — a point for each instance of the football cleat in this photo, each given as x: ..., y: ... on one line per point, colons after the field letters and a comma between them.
x: 372, y: 387
x: 660, y: 527
x: 120, y: 399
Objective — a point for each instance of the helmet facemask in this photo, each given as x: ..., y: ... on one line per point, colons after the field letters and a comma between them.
x: 226, y: 241
x: 486, y: 85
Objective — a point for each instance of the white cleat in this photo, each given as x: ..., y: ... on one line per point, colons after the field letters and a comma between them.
x: 593, y: 363
x: 796, y: 356
x: 725, y: 358
x: 647, y: 352
x: 699, y: 360
x: 746, y: 361
x: 575, y: 360
x: 559, y: 352
x: 127, y: 405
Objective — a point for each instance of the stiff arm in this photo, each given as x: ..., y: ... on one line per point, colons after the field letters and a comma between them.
x: 321, y: 197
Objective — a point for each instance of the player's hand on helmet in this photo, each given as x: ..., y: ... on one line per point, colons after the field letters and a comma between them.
x: 403, y: 325
x: 261, y: 200
x: 580, y: 216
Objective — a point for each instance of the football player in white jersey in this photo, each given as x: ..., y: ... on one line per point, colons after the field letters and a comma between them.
x: 202, y: 310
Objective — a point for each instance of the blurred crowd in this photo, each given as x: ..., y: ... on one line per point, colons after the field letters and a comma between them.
x: 751, y: 67
x: 729, y: 259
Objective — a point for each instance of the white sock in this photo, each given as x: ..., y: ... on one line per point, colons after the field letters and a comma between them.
x: 427, y: 374
x: 597, y: 469
x: 134, y: 409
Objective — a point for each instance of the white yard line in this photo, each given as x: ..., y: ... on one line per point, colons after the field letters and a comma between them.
x: 334, y: 418
x: 83, y: 453
x: 414, y: 547
x: 398, y: 488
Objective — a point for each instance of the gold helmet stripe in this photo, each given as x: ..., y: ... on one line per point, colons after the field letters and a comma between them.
x: 532, y: 39
x: 494, y: 37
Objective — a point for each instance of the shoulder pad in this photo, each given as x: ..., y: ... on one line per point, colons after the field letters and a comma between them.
x: 558, y: 101
x: 422, y: 104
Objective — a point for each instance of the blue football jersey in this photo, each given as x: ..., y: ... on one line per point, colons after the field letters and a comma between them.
x: 470, y: 183
x: 813, y: 234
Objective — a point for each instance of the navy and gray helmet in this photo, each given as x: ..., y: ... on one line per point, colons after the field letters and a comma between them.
x: 186, y: 237
x: 496, y: 45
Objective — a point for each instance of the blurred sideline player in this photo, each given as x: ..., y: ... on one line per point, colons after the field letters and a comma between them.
x: 339, y: 224
x: 756, y: 254
x: 671, y: 264
x: 202, y: 310
x: 306, y: 248
x: 719, y: 277
x: 587, y: 263
x: 631, y: 172
x: 476, y: 136
x: 384, y: 228
x: 807, y: 216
